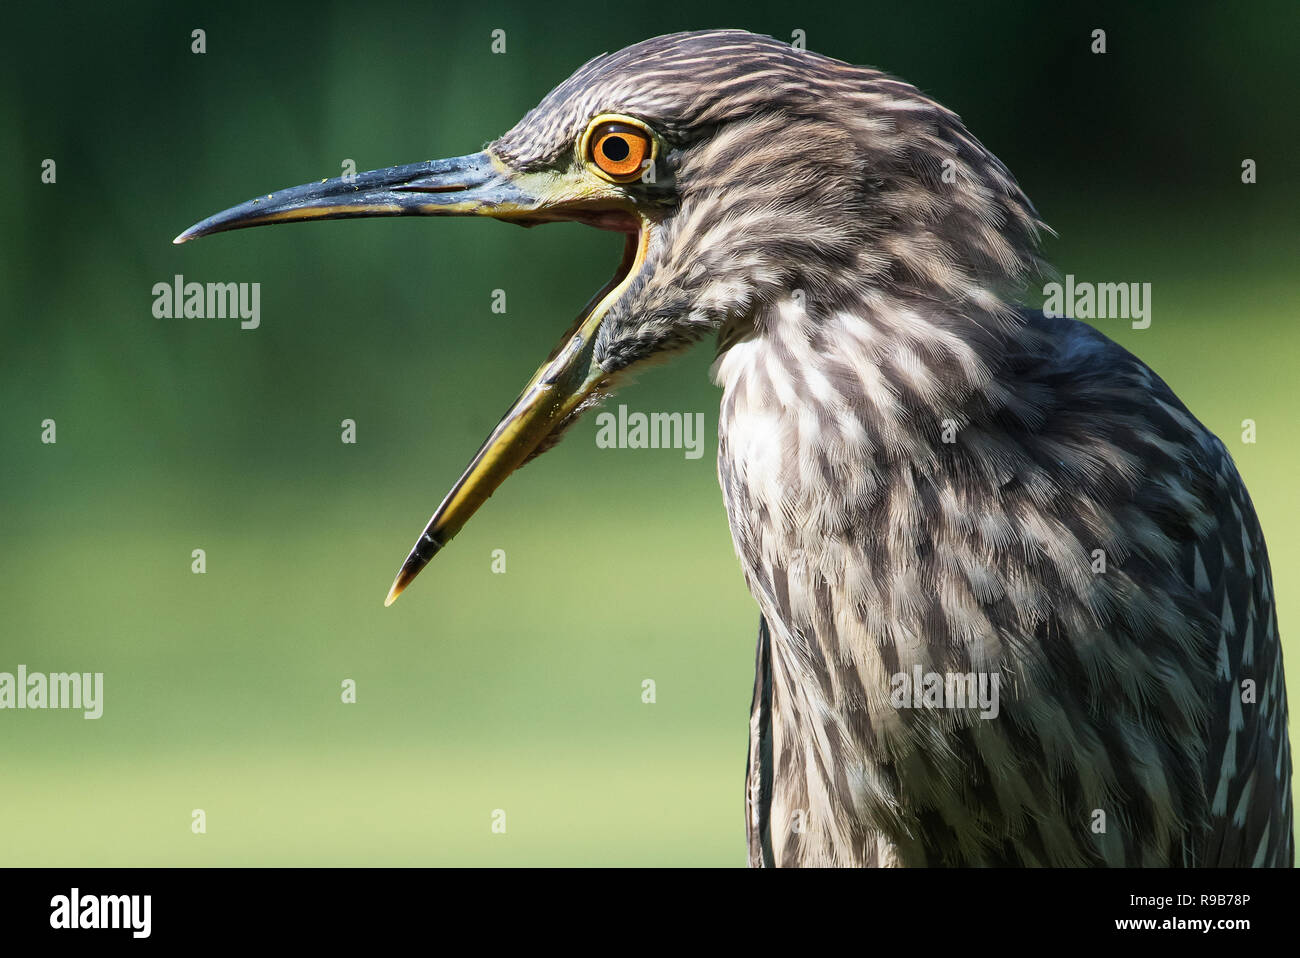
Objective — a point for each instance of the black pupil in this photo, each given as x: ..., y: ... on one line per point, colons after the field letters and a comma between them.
x: 615, y: 148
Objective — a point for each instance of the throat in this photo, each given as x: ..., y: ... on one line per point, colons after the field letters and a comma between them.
x: 830, y: 446
x: 850, y: 389
x: 838, y: 434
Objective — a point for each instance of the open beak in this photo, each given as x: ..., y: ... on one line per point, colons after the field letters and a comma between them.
x: 475, y: 185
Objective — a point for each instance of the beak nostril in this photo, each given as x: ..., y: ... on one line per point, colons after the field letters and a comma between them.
x: 436, y: 187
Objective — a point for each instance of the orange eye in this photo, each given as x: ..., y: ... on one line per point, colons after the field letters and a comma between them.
x: 619, y: 150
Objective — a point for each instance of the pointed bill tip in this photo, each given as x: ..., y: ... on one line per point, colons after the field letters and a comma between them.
x: 426, y: 547
x: 394, y: 592
x: 193, y: 233
x: 404, y: 577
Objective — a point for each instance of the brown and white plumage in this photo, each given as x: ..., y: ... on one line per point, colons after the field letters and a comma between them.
x: 861, y: 305
x: 918, y: 474
x: 1121, y: 690
x: 861, y: 297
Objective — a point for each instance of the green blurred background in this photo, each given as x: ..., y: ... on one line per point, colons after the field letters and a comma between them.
x: 478, y: 691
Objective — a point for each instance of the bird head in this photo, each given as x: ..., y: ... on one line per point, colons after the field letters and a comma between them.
x: 742, y: 171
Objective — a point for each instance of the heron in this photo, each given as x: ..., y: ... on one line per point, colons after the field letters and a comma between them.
x: 923, y: 477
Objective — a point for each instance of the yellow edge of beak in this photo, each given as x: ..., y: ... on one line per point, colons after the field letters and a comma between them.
x: 555, y: 391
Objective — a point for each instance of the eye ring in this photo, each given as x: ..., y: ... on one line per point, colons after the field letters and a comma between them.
x: 617, y: 147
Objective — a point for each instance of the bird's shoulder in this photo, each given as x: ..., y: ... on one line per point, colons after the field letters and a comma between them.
x: 1216, y: 575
